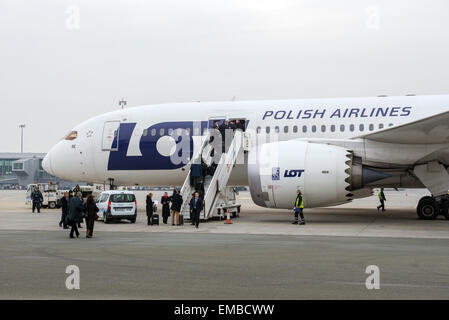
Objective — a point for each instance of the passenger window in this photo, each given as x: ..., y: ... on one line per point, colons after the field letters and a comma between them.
x: 295, y: 129
x: 361, y: 127
x: 381, y: 126
x: 351, y: 128
x: 342, y: 128
x: 314, y: 128
x: 267, y: 129
x: 170, y: 131
x: 286, y: 129
x: 333, y: 128
x: 276, y: 129
x: 371, y: 127
x: 188, y: 131
x: 258, y: 129
x: 304, y: 129
x: 323, y: 128
x: 153, y: 132
x: 161, y: 132
x: 145, y: 132
x: 390, y: 125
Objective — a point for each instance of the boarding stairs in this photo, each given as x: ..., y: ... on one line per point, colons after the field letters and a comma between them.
x: 217, y: 196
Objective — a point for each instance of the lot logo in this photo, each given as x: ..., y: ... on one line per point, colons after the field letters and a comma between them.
x: 293, y: 173
x: 276, y: 174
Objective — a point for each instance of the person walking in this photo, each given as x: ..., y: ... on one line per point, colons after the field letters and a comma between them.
x: 76, y: 208
x: 91, y: 210
x: 196, y: 205
x: 192, y: 220
x: 65, y: 200
x: 299, y: 208
x: 176, y: 207
x: 37, y: 199
x: 165, y: 201
x: 75, y: 192
x: 382, y: 199
x: 149, y: 209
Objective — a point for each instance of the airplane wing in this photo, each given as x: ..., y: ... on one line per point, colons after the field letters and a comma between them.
x: 432, y: 130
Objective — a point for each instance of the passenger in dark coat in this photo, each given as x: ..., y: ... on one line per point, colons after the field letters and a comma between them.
x: 65, y: 200
x: 91, y: 210
x: 196, y: 205
x: 150, y: 208
x: 75, y: 216
x: 176, y: 207
x: 192, y: 222
x: 165, y: 201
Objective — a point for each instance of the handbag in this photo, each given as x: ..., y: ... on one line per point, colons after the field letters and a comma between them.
x: 296, y: 209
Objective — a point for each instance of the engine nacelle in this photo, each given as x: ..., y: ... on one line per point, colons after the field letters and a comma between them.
x: 322, y: 172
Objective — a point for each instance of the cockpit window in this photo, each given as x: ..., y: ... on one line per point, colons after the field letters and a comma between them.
x: 72, y: 135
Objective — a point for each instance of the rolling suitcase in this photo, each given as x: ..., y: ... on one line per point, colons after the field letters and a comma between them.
x: 181, y: 220
x: 155, y: 219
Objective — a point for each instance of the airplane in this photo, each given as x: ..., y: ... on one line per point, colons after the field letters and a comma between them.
x: 334, y: 150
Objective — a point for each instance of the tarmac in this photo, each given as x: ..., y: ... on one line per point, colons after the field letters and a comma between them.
x: 260, y: 256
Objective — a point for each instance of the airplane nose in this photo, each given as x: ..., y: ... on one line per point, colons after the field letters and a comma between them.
x: 46, y: 164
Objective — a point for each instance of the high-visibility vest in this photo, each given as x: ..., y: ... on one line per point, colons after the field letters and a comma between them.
x: 299, y: 205
x: 380, y: 195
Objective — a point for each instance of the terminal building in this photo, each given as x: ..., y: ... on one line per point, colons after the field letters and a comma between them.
x: 24, y: 169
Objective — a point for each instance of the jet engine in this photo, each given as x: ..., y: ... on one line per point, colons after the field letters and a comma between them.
x: 325, y: 174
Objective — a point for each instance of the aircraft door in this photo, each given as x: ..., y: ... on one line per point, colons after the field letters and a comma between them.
x: 111, y: 134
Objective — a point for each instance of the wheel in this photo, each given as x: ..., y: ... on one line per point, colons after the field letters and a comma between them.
x: 52, y: 205
x: 428, y: 208
x: 133, y: 220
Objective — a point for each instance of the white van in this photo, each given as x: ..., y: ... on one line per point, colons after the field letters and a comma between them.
x: 117, y: 205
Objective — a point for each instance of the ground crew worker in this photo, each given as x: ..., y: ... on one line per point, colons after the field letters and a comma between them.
x: 299, y: 207
x: 382, y: 200
x: 76, y: 190
x: 37, y: 199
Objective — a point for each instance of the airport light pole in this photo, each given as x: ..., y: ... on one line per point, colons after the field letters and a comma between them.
x: 22, y: 126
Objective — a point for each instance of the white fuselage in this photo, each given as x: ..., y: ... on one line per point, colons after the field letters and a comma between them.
x: 133, y: 146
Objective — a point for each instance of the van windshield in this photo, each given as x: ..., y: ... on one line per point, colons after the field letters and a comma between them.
x: 122, y: 198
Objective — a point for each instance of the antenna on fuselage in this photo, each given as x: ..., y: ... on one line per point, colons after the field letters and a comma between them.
x: 122, y: 103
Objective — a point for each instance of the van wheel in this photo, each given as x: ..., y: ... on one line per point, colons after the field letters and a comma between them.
x: 428, y: 208
x: 52, y: 205
x: 133, y: 220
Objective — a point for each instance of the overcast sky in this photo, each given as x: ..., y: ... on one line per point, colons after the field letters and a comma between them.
x: 65, y: 61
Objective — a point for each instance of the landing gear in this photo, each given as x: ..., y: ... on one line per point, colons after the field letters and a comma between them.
x: 428, y: 208
x: 444, y: 209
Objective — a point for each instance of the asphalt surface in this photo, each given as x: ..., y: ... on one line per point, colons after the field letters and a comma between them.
x: 220, y: 266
